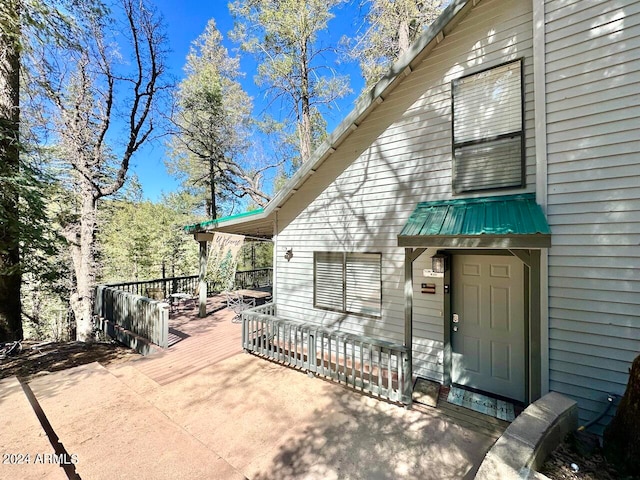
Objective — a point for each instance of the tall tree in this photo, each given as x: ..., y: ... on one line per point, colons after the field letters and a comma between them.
x: 10, y: 275
x: 392, y: 26
x: 213, y: 122
x: 88, y: 90
x: 24, y: 227
x: 283, y: 35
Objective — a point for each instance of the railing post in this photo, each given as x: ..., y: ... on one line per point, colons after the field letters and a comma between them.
x: 244, y: 330
x: 97, y: 307
x: 164, y: 326
x: 202, y: 287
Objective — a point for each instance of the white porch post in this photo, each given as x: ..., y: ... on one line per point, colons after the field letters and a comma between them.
x: 408, y: 323
x: 202, y: 283
x: 410, y: 255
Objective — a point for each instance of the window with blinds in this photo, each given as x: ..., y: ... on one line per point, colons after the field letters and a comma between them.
x: 488, y: 129
x: 348, y: 282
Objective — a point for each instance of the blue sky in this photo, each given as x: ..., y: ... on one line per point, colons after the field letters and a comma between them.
x: 185, y: 21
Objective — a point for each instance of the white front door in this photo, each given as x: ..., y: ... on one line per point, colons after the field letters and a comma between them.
x: 488, y: 324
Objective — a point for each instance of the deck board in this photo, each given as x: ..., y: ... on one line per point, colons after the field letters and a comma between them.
x: 196, y: 342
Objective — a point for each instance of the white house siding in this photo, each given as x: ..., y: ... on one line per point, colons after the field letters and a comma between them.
x: 593, y: 133
x: 428, y: 322
x: 360, y: 198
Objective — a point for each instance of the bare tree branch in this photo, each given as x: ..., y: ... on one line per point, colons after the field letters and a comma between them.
x: 84, y: 115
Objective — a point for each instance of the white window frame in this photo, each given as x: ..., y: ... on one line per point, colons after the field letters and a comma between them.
x: 488, y: 129
x: 348, y: 282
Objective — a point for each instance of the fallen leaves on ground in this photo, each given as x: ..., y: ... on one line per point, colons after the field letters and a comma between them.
x: 37, y: 357
x: 591, y: 464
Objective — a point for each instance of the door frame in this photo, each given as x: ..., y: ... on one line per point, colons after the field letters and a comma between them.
x: 532, y: 318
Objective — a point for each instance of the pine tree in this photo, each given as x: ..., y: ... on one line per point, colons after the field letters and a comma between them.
x: 10, y: 272
x: 213, y: 123
x: 283, y: 36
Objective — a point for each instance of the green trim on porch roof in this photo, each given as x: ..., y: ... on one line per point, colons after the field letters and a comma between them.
x: 515, y: 221
x: 197, y: 227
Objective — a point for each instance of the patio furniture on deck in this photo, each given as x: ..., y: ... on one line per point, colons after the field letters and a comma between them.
x: 176, y: 298
x: 238, y: 304
x: 259, y: 297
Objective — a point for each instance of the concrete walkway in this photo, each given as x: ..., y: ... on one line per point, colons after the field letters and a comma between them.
x: 242, y: 417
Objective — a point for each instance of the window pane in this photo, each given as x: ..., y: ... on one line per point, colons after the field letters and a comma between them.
x: 363, y: 283
x: 329, y: 280
x: 487, y: 104
x: 488, y: 165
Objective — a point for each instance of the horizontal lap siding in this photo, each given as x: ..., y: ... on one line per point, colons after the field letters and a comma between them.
x: 361, y: 197
x: 428, y: 323
x: 593, y: 114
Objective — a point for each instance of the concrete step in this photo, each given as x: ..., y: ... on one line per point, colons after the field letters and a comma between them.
x: 137, y: 381
x: 26, y: 451
x: 84, y: 404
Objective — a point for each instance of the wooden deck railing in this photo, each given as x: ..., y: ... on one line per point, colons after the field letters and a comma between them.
x: 363, y: 363
x: 165, y: 286
x: 143, y: 316
x: 260, y: 277
x: 257, y: 278
x: 134, y: 306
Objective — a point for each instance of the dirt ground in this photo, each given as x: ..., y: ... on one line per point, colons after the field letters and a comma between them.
x: 591, y: 464
x: 37, y: 357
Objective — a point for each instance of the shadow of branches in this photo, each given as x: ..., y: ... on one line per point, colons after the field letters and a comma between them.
x: 360, y: 437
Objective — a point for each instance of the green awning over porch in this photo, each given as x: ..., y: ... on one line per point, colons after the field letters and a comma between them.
x: 513, y: 221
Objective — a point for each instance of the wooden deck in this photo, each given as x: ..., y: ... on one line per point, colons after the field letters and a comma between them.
x: 194, y: 343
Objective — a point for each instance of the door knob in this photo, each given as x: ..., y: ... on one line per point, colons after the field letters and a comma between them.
x: 455, y: 328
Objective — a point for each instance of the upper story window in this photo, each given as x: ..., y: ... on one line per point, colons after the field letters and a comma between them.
x: 488, y: 136
x: 348, y: 282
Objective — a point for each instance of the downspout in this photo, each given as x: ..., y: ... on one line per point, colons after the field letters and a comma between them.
x: 274, y: 274
x: 540, y: 105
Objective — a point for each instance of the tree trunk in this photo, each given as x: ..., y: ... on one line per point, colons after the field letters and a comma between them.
x: 404, y: 41
x: 305, y: 133
x: 10, y: 275
x: 84, y: 265
x: 305, y: 124
x: 213, y: 212
x: 622, y: 435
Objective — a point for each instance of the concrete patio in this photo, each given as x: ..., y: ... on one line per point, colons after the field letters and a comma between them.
x: 203, y: 410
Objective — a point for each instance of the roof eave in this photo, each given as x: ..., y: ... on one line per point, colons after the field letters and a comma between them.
x: 220, y: 224
x: 530, y: 241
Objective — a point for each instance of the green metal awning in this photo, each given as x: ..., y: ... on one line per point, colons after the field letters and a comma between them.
x: 513, y: 221
x: 204, y: 226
